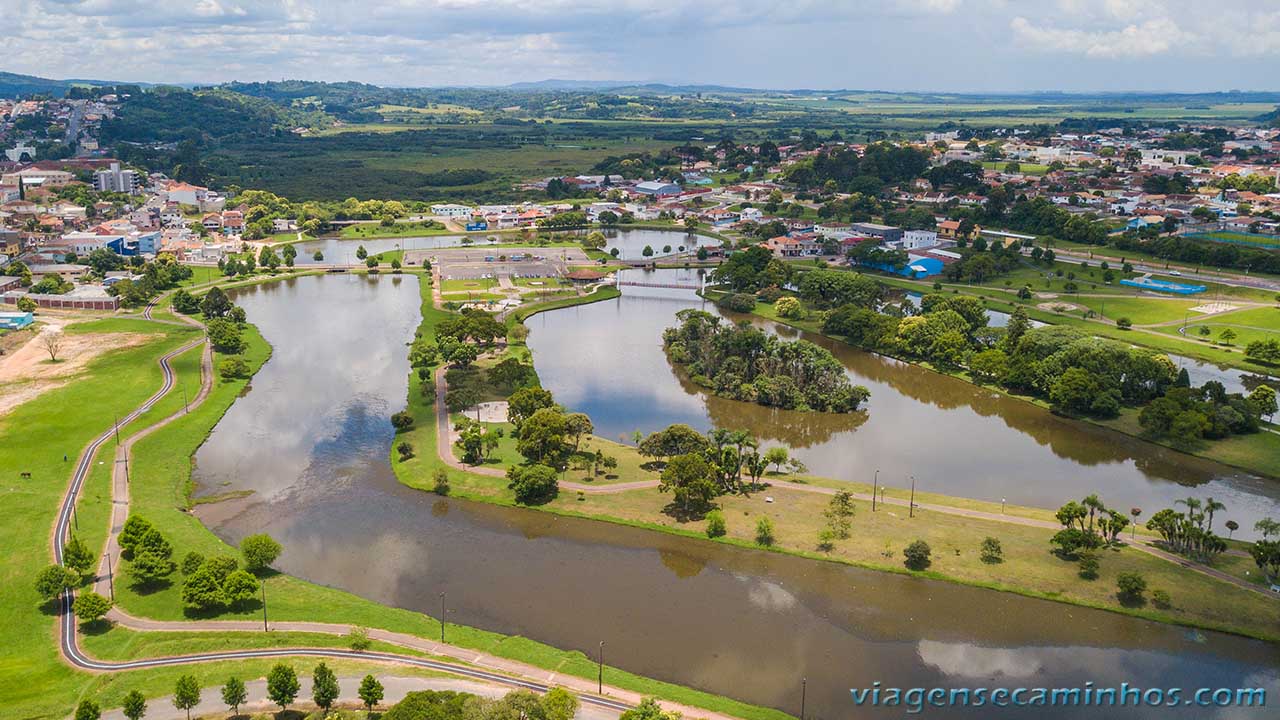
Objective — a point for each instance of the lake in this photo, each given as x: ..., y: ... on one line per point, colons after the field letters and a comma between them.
x: 312, y: 436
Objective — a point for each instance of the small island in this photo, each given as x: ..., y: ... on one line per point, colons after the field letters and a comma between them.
x: 744, y: 363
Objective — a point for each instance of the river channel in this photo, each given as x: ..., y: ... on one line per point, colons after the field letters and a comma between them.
x: 311, y: 439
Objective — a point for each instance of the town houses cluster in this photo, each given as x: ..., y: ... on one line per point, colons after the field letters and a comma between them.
x: 1188, y: 179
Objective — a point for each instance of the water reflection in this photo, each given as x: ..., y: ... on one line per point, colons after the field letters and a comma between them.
x: 606, y: 360
x: 313, y: 441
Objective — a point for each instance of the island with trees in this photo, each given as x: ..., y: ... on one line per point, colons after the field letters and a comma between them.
x: 744, y: 363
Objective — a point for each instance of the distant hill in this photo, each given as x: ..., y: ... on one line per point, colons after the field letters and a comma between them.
x: 13, y: 85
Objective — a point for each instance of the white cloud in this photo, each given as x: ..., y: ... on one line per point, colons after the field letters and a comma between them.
x: 1151, y: 37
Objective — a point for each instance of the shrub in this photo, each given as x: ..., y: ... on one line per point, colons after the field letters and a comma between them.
x: 1088, y: 567
x: 233, y: 368
x: 715, y: 524
x: 790, y: 308
x: 991, y: 550
x: 441, y: 477
x: 358, y: 639
x: 764, y: 532
x: 1161, y: 599
x: 1131, y: 587
x: 405, y: 448
x: 191, y: 562
x: 738, y: 302
x: 402, y: 421
x: 26, y: 304
x: 1124, y: 323
x: 532, y: 483
x: 917, y: 555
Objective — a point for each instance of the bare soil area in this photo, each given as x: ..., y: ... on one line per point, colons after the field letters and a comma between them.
x: 26, y: 371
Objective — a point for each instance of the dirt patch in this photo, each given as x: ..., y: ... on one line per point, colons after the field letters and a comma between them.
x: 26, y: 372
x: 1058, y: 307
x: 1213, y: 308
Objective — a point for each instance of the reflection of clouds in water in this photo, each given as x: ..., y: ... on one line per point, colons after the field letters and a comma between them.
x: 1270, y: 682
x: 971, y: 661
x: 767, y: 595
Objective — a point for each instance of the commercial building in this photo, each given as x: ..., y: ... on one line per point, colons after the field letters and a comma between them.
x: 886, y: 233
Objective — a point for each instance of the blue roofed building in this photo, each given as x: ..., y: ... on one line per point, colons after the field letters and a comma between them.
x: 15, y: 320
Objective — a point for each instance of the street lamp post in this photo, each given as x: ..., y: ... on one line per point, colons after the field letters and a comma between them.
x: 264, y: 606
x: 1002, y: 505
x: 911, y: 508
x: 874, y: 484
x: 600, y: 675
x: 804, y: 683
x: 111, y: 578
x: 441, y: 617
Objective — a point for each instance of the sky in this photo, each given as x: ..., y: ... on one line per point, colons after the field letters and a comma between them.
x: 904, y: 45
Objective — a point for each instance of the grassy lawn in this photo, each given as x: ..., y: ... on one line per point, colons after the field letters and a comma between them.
x: 365, y: 231
x: 1023, y: 167
x: 473, y: 285
x: 33, y: 438
x: 1141, y: 310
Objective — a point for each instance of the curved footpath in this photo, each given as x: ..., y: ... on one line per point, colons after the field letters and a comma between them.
x: 505, y: 673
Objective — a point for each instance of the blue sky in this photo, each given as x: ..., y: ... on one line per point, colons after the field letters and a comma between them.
x: 952, y: 45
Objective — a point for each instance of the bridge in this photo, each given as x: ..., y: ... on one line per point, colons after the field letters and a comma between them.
x: 671, y: 286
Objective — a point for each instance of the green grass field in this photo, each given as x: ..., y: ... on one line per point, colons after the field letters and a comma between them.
x: 367, y: 231
x: 1239, y: 238
x: 1023, y: 167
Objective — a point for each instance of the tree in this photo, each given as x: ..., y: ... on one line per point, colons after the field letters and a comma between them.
x: 648, y: 709
x: 715, y: 524
x: 90, y: 606
x: 259, y: 551
x: 991, y: 551
x: 1131, y: 586
x: 688, y: 478
x: 764, y: 532
x: 559, y: 704
x: 1263, y: 401
x: 54, y: 580
x: 216, y: 304
x: 777, y: 456
x: 441, y: 480
x: 578, y: 424
x: 88, y: 710
x: 370, y: 692
x: 361, y: 253
x: 524, y: 402
x: 234, y: 694
x: 51, y: 343
x: 989, y: 365
x: 1124, y: 323
x: 1088, y: 567
x: 26, y: 304
x: 186, y: 693
x: 532, y: 483
x: 1232, y: 527
x: 917, y: 555
x: 224, y: 336
x: 402, y: 421
x: 324, y: 687
x: 543, y: 437
x: 134, y: 706
x: 1226, y: 336
x: 76, y: 555
x: 282, y: 685
x: 239, y: 587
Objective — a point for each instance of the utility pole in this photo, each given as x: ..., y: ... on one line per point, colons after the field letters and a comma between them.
x: 1002, y: 505
x: 600, y: 676
x: 185, y: 409
x: 117, y: 429
x: 804, y: 682
x: 874, y: 484
x: 264, y: 606
x: 441, y: 617
x: 911, y: 509
x: 111, y: 578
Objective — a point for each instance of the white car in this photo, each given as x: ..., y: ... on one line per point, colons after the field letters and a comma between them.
x: 1176, y: 273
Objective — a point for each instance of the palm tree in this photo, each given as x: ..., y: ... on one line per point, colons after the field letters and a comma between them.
x: 1095, y: 506
x: 1210, y: 507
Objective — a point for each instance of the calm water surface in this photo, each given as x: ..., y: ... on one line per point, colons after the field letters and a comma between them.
x: 312, y: 438
x: 606, y: 360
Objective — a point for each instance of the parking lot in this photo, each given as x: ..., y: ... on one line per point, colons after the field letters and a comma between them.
x: 493, y: 262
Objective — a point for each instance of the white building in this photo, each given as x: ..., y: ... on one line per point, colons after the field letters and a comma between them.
x: 916, y: 239
x: 15, y: 154
x: 452, y: 211
x: 116, y: 180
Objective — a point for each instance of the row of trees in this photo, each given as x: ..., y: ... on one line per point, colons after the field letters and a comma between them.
x: 745, y: 363
x: 697, y: 468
